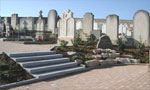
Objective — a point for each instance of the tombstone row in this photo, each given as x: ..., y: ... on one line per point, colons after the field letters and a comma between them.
x: 65, y: 27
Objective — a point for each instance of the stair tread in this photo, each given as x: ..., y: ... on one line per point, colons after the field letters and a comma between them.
x: 30, y: 54
x: 48, y: 66
x: 59, y: 71
x: 45, y: 60
x: 36, y: 56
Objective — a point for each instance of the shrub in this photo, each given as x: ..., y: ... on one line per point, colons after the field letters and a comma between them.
x: 121, y: 44
x: 63, y: 43
x: 75, y: 43
x: 139, y: 45
x: 91, y: 40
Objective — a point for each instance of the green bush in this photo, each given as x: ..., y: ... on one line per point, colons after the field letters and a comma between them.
x: 121, y: 44
x: 139, y: 45
x: 63, y: 43
x: 91, y: 40
x: 75, y: 43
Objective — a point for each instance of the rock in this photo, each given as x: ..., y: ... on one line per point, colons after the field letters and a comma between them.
x: 108, y: 62
x: 135, y: 61
x: 126, y: 56
x: 97, y: 57
x: 125, y: 60
x: 104, y: 42
x: 103, y: 50
x: 112, y: 55
x: 97, y: 51
x: 117, y: 54
x: 92, y: 63
x: 112, y: 51
x: 104, y: 55
x: 78, y: 61
x: 108, y: 50
x: 71, y: 53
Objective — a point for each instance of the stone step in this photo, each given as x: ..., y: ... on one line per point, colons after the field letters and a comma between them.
x: 37, y: 58
x: 18, y: 55
x: 50, y: 68
x: 59, y: 72
x: 44, y: 62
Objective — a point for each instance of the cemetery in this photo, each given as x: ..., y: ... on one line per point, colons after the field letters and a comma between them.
x: 82, y: 44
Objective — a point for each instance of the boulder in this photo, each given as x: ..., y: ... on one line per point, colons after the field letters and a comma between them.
x: 92, y: 63
x: 135, y: 61
x: 124, y: 60
x: 104, y: 55
x: 71, y: 53
x: 78, y: 61
x: 104, y: 42
x: 97, y: 57
x: 108, y: 62
x: 97, y: 51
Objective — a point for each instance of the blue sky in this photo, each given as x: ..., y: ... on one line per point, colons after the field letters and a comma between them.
x: 125, y: 9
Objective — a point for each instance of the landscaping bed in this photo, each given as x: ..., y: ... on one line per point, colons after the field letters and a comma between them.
x: 10, y: 71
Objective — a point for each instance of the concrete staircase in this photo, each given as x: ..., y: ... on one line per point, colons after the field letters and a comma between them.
x: 45, y: 65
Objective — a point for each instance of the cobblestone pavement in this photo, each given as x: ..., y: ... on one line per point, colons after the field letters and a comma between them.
x: 20, y: 47
x: 130, y: 77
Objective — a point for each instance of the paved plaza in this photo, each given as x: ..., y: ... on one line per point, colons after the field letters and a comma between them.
x: 20, y: 47
x: 130, y: 77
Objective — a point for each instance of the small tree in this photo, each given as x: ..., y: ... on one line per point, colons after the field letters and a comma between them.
x: 63, y: 43
x: 121, y: 44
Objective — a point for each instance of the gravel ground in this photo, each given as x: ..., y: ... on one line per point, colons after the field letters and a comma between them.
x: 130, y: 77
x: 20, y: 47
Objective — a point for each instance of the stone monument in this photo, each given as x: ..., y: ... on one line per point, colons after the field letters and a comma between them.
x: 14, y: 21
x: 52, y: 21
x: 104, y: 42
x: 66, y: 27
x: 87, y: 25
x: 141, y: 27
x: 40, y: 27
x: 112, y: 27
x: 7, y: 30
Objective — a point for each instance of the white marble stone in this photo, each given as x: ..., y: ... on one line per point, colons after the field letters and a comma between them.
x: 67, y: 27
x: 52, y: 20
x: 14, y: 20
x: 141, y: 27
x: 87, y: 25
x: 112, y: 22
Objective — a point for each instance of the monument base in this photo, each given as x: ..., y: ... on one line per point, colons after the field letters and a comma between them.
x: 40, y: 36
x: 148, y: 67
x: 68, y: 39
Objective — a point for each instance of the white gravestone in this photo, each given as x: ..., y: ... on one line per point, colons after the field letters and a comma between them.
x: 112, y: 22
x: 66, y: 27
x: 141, y: 27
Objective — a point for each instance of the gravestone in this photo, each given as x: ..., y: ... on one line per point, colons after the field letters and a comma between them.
x: 87, y: 25
x: 40, y: 27
x: 104, y: 42
x: 14, y: 21
x: 52, y: 21
x: 7, y: 30
x: 112, y: 22
x: 66, y: 27
x: 141, y: 27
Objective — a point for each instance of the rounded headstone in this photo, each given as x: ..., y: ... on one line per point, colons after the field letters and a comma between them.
x: 52, y: 20
x: 141, y: 27
x: 87, y: 25
x: 112, y: 27
x: 104, y: 42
